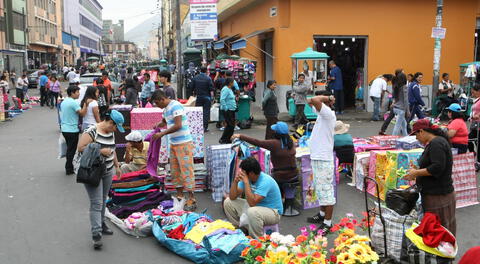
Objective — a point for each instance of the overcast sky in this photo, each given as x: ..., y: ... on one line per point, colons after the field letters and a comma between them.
x: 133, y: 12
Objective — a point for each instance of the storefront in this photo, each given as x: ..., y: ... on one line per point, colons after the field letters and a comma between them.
x: 363, y: 45
x: 39, y: 55
x: 12, y: 60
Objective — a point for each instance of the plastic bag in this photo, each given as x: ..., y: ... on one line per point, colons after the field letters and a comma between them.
x: 178, y: 204
x: 244, y: 217
x: 214, y: 113
x: 62, y: 147
x: 402, y: 201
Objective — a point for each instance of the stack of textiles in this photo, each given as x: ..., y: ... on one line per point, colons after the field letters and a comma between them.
x: 201, y: 174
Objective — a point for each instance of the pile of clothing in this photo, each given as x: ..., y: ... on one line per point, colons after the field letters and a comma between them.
x: 201, y: 174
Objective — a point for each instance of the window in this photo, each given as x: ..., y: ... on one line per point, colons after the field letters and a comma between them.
x: 90, y: 25
x: 126, y: 47
x: 88, y: 42
x: 18, y: 21
x: 91, y: 8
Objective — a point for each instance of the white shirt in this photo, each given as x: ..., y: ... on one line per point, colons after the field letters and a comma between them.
x: 71, y: 76
x: 377, y: 87
x: 89, y: 118
x: 321, y: 141
x: 65, y: 69
x: 20, y: 83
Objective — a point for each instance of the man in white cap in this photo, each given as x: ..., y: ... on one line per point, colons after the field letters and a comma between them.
x: 136, y: 153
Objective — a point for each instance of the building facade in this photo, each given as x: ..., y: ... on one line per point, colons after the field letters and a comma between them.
x: 90, y: 33
x: 123, y: 51
x: 154, y: 45
x: 364, y: 38
x: 113, y: 32
x: 44, y: 32
x: 71, y: 33
x: 14, y: 49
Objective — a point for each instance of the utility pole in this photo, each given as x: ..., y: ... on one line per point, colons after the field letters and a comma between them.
x: 162, y: 25
x: 437, y: 50
x: 180, y: 90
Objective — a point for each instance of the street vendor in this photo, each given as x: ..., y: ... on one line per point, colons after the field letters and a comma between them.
x: 262, y: 198
x: 457, y: 128
x: 136, y: 153
x: 434, y: 174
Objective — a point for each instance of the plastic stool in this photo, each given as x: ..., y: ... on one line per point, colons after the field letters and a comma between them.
x: 268, y: 230
x: 289, y: 189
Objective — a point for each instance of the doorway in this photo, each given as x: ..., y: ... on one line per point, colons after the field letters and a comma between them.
x: 350, y: 55
x: 268, y: 61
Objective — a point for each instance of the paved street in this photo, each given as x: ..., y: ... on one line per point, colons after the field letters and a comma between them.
x: 45, y: 213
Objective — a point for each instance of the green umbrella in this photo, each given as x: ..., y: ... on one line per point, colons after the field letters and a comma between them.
x: 92, y: 58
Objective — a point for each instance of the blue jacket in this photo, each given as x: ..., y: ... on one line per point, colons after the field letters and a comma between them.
x: 202, y: 85
x: 414, y: 96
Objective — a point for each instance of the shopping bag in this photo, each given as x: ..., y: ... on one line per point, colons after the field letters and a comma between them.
x: 411, y: 254
x: 62, y: 147
x: 191, y: 101
x: 214, y: 113
x: 402, y: 201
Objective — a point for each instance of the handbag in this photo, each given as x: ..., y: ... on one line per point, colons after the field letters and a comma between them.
x: 402, y: 201
x: 92, y: 175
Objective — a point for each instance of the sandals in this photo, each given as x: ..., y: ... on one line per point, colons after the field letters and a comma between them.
x: 190, y: 205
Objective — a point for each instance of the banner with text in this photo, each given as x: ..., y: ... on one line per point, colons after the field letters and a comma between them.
x: 203, y: 21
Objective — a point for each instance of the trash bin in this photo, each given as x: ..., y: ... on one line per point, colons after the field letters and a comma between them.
x: 243, y: 108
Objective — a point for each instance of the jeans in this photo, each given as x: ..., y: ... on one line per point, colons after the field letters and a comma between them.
x: 53, y: 99
x: 206, y: 103
x: 339, y: 100
x: 229, y: 116
x: 43, y: 96
x: 400, y: 128
x: 376, y: 108
x: 300, y: 118
x: 144, y: 102
x: 387, y: 121
x: 98, y: 200
x: 72, y: 140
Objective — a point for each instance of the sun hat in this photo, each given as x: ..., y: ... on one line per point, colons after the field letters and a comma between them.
x: 280, y: 128
x: 134, y: 136
x: 455, y: 108
x: 118, y: 119
x: 341, y: 128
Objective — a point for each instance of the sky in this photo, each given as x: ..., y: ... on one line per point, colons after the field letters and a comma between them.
x: 133, y: 12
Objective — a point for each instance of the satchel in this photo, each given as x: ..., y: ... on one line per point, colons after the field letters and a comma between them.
x: 402, y: 201
x: 92, y: 175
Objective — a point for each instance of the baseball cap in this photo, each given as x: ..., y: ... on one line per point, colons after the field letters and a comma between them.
x: 118, y: 119
x: 420, y: 124
x: 280, y: 128
x: 134, y: 136
x: 455, y: 107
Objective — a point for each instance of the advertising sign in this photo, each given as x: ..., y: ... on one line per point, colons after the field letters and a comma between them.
x: 203, y: 21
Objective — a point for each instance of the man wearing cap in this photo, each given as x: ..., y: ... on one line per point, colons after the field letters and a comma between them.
x: 321, y: 155
x: 457, y: 128
x: 136, y: 153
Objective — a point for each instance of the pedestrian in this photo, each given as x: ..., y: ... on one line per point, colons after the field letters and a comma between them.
x: 136, y: 153
x: 181, y: 147
x: 446, y: 89
x: 377, y: 93
x: 13, y: 78
x: 131, y: 96
x: 335, y: 85
x: 54, y: 91
x: 475, y: 121
x: 262, y: 200
x: 25, y: 88
x: 228, y: 106
x: 43, y: 81
x: 123, y: 73
x: 103, y: 134
x: 70, y: 111
x: 5, y: 90
x: 71, y: 76
x: 282, y: 150
x: 391, y: 114
x: 165, y: 78
x: 65, y: 71
x: 229, y: 74
x: 300, y: 89
x: 415, y: 100
x: 434, y: 173
x: 202, y: 88
x: 400, y: 105
x: 147, y: 89
x: 270, y: 108
x: 108, y: 86
x: 457, y: 128
x: 93, y: 112
x: 102, y: 98
x: 19, y: 88
x: 321, y: 155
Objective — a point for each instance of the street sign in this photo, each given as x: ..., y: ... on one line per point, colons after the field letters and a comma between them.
x: 203, y: 21
x: 438, y: 32
x: 202, y: 1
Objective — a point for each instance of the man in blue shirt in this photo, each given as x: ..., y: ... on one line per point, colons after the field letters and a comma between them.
x: 70, y: 110
x: 262, y: 198
x: 42, y: 82
x: 336, y: 86
x: 202, y: 88
x: 147, y: 89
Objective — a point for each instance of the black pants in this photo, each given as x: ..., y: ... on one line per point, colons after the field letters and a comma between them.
x: 72, y: 140
x: 53, y: 96
x: 230, y: 128
x: 269, y: 133
x: 206, y: 103
x: 461, y: 148
x: 387, y: 121
x: 300, y: 118
x: 339, y: 100
x: 20, y: 94
x: 474, y: 135
x: 144, y: 102
x: 43, y: 96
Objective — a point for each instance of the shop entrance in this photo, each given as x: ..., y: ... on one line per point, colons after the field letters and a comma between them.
x: 350, y: 54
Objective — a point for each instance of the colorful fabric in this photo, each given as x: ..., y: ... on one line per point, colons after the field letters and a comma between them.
x: 323, y: 172
x: 432, y: 232
x: 203, y: 229
x: 153, y: 152
x: 176, y: 233
x: 174, y: 109
x: 465, y: 179
x: 181, y: 166
x: 218, y: 160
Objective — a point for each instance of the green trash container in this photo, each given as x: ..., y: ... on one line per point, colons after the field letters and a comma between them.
x: 292, y: 109
x: 243, y: 108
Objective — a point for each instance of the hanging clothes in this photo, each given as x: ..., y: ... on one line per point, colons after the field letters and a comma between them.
x: 153, y: 152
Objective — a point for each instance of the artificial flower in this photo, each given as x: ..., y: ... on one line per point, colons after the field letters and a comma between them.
x: 345, y: 258
x: 301, y: 238
x: 312, y: 227
x: 259, y: 259
x: 245, y: 251
x: 301, y: 255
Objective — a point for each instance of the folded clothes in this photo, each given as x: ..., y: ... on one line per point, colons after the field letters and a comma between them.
x: 152, y: 201
x: 136, y: 189
x: 135, y: 193
x: 140, y: 177
x: 132, y: 174
x: 121, y: 198
x: 133, y: 184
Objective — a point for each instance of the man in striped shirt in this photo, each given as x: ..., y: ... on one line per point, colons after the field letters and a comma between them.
x: 181, y: 146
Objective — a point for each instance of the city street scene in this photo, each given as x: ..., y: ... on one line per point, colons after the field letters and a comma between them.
x: 239, y: 131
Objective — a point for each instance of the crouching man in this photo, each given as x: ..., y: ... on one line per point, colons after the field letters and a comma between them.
x: 136, y: 153
x: 262, y: 198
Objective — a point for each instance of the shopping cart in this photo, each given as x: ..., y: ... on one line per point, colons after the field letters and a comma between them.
x: 473, y: 141
x: 376, y: 212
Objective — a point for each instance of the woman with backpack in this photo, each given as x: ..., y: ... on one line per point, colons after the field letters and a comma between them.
x: 93, y: 113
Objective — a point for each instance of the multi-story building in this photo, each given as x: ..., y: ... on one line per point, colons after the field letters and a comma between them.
x: 154, y: 44
x: 13, y: 30
x: 71, y: 32
x: 124, y: 51
x: 90, y: 17
x: 44, y: 32
x: 113, y: 32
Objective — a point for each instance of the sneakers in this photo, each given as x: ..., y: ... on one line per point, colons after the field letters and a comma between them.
x: 324, y: 228
x: 381, y: 133
x: 106, y: 230
x: 237, y: 128
x: 97, y: 241
x: 316, y: 219
x: 190, y: 205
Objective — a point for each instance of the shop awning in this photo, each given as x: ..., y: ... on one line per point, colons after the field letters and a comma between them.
x: 220, y: 44
x: 242, y: 43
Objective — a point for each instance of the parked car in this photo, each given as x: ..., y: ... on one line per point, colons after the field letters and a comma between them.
x: 33, y: 76
x: 88, y: 78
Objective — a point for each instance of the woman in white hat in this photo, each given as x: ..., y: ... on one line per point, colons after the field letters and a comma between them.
x: 343, y: 143
x: 136, y: 153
